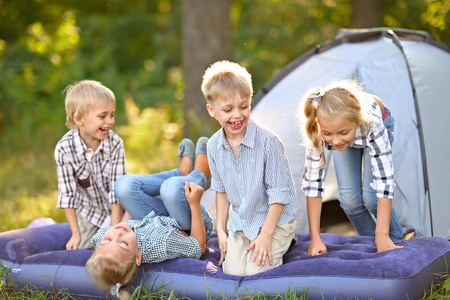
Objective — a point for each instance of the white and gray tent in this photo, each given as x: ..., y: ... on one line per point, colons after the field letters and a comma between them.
x: 410, y: 71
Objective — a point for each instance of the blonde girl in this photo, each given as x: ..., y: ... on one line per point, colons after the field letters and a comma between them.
x: 359, y: 128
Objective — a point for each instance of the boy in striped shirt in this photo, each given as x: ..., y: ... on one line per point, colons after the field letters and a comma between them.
x: 250, y: 172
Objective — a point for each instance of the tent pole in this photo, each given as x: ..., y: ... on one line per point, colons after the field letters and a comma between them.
x: 391, y: 34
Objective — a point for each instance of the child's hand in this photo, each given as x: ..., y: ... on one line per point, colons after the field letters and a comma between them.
x: 222, y: 238
x: 317, y: 247
x: 263, y: 249
x: 193, y: 192
x: 73, y: 243
x: 384, y: 243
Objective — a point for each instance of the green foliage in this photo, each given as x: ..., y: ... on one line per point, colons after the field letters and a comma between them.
x: 270, y: 34
x: 4, y: 282
x: 151, y: 138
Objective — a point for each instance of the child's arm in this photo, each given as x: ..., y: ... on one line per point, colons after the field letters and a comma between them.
x: 116, y: 213
x: 117, y: 170
x: 314, y: 208
x: 75, y: 239
x: 222, y: 207
x: 194, y: 194
x: 126, y: 217
x: 382, y: 239
x: 263, y: 242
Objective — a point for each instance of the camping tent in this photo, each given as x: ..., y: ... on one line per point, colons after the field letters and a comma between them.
x: 410, y: 72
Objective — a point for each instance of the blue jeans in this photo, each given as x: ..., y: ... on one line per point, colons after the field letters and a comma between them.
x: 357, y: 198
x: 138, y: 194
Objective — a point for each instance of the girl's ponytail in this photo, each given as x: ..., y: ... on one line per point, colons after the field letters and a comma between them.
x: 312, y: 126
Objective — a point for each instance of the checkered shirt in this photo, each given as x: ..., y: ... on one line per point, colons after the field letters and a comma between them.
x: 376, y: 138
x: 86, y: 179
x: 159, y: 238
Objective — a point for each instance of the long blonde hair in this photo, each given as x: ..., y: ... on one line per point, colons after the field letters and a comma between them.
x: 340, y: 98
x: 107, y: 270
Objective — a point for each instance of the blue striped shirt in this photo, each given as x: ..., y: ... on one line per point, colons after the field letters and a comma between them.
x: 257, y: 177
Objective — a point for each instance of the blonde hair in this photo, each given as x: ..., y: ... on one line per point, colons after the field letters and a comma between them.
x: 224, y: 78
x: 107, y: 270
x: 82, y: 96
x: 340, y: 98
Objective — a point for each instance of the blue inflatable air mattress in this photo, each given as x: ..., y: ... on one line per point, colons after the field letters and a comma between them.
x: 351, y: 270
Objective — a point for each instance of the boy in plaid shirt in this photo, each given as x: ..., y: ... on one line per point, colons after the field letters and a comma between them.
x: 89, y: 158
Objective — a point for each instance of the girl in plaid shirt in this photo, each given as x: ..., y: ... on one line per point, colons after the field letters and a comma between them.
x: 359, y: 126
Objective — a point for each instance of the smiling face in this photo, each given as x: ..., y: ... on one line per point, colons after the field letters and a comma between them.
x: 121, y: 242
x: 337, y: 131
x: 233, y: 113
x: 94, y: 126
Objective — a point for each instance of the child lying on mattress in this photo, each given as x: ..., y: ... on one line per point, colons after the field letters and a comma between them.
x: 157, y: 237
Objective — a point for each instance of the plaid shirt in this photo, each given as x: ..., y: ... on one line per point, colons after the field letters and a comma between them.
x: 158, y: 238
x: 86, y: 179
x: 258, y: 177
x: 376, y: 138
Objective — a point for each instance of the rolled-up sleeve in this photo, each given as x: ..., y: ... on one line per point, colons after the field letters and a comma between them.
x: 67, y: 184
x: 278, y: 178
x: 216, y: 180
x: 313, y: 182
x: 382, y: 164
x: 117, y: 168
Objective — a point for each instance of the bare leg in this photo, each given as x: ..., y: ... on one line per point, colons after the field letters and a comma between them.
x: 185, y: 165
x: 201, y: 164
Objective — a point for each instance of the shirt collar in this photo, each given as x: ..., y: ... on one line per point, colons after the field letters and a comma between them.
x: 81, y: 147
x: 249, y: 137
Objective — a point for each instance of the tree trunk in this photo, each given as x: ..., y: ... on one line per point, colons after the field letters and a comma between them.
x: 206, y: 39
x: 367, y: 13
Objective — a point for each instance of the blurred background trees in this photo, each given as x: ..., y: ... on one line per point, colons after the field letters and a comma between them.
x: 152, y: 54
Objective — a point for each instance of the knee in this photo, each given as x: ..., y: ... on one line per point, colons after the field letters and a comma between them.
x: 172, y: 190
x: 351, y: 205
x: 370, y: 199
x: 123, y: 186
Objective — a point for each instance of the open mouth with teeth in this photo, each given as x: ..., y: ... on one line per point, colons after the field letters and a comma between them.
x: 236, y: 125
x: 104, y: 131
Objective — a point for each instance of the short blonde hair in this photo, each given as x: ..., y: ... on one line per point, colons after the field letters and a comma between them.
x: 83, y: 96
x: 224, y: 78
x: 107, y: 270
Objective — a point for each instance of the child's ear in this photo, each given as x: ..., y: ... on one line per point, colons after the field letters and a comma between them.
x: 78, y: 119
x: 210, y: 110
x: 138, y: 258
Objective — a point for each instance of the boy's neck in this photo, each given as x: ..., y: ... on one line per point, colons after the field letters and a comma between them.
x: 90, y: 143
x: 234, y: 140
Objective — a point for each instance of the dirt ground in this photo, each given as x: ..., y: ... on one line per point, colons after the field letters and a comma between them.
x: 334, y: 220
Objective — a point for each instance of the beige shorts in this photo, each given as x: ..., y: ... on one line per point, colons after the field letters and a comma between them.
x: 87, y: 231
x: 238, y: 261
